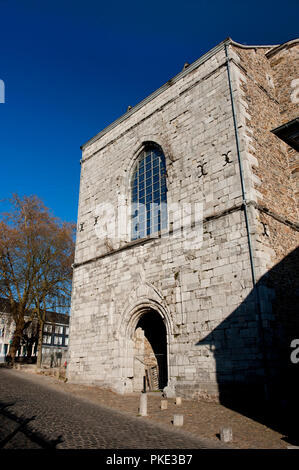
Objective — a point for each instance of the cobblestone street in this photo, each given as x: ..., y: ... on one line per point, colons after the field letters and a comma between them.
x: 64, y: 421
x: 93, y: 417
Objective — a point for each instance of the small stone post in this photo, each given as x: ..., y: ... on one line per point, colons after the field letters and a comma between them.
x: 178, y: 401
x: 163, y: 404
x: 143, y: 404
x: 178, y: 420
x: 226, y: 434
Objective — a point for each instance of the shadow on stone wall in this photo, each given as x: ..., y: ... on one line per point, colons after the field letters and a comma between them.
x: 243, y: 369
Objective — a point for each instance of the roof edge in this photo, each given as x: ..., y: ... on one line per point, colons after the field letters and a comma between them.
x: 157, y: 92
x: 278, y: 48
x: 245, y: 46
x: 183, y: 73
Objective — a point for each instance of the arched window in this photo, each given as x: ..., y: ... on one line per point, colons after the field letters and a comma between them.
x: 149, y: 200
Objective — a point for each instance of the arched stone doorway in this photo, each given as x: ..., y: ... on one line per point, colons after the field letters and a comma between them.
x: 150, y: 352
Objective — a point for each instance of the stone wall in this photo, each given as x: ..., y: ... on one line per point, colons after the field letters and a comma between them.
x: 269, y: 89
x: 262, y: 92
x: 199, y: 282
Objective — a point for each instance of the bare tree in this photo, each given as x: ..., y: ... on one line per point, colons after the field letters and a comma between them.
x: 36, y: 256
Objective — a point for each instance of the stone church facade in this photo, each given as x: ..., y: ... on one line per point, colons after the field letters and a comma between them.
x: 187, y: 228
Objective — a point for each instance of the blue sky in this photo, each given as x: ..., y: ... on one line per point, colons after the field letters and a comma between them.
x: 72, y: 67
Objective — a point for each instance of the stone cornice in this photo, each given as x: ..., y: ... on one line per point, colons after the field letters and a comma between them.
x: 239, y: 207
x: 280, y: 47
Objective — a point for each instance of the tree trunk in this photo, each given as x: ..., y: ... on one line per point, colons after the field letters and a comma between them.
x: 29, y: 346
x: 40, y: 345
x: 16, y: 341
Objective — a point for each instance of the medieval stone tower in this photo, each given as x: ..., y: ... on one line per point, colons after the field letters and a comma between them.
x: 187, y: 230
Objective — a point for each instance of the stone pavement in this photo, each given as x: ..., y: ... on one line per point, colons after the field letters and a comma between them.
x: 202, y: 419
x: 52, y: 416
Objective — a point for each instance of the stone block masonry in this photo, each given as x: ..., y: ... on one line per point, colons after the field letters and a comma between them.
x: 190, y: 287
